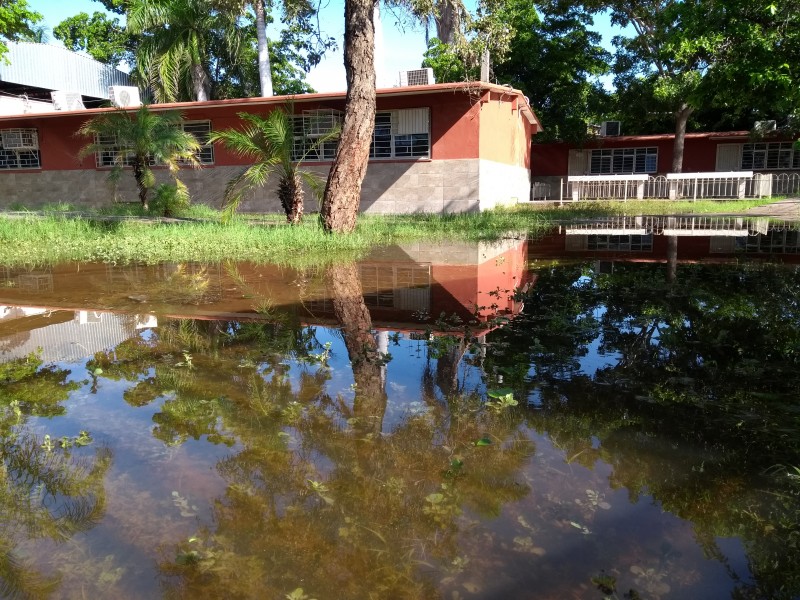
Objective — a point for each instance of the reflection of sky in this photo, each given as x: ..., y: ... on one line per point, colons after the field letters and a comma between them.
x: 404, y: 374
x: 552, y: 537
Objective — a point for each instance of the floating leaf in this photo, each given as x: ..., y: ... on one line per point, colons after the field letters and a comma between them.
x: 500, y: 393
x: 97, y: 371
x: 484, y: 441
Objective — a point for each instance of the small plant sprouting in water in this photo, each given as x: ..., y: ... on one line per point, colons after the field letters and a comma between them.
x: 186, y: 362
x: 502, y: 399
x: 47, y: 444
x: 321, y: 490
x: 298, y: 594
x: 322, y: 357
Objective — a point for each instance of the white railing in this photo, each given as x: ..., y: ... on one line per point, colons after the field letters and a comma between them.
x: 732, y: 184
x: 694, y: 186
x: 786, y: 184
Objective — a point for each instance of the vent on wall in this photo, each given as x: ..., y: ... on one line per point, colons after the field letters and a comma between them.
x: 124, y: 96
x: 67, y: 100
x: 611, y: 129
x: 417, y: 77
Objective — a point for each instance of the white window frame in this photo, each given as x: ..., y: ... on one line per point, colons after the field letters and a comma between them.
x: 623, y: 161
x: 19, y: 149
x: 398, y: 134
x: 201, y: 131
x: 769, y: 156
x: 308, y: 128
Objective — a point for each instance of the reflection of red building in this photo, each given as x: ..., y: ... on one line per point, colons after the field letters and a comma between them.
x: 653, y: 239
x: 405, y: 288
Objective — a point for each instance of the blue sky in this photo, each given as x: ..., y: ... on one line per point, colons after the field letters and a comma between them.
x: 403, y: 47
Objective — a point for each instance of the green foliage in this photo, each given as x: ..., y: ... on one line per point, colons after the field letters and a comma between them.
x: 127, y: 241
x: 103, y: 38
x: 174, y: 55
x: 269, y: 142
x: 556, y: 60
x: 17, y: 21
x: 171, y: 200
x: 143, y: 137
x: 447, y: 64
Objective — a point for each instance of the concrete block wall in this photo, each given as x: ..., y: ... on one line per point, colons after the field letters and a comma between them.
x: 443, y: 186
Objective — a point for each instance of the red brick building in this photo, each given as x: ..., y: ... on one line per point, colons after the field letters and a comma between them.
x: 436, y: 148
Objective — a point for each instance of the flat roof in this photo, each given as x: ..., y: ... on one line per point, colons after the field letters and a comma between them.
x: 411, y: 90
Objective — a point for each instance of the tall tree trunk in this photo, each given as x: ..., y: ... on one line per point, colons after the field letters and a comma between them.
x: 681, y: 118
x: 201, y: 83
x: 264, y: 69
x: 342, y: 197
x: 369, y: 405
x: 448, y: 20
x: 138, y: 175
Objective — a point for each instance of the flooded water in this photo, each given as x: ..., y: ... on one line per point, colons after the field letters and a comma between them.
x: 610, y: 411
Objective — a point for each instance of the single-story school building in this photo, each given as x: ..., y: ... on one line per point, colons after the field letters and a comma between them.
x: 704, y: 152
x: 436, y: 148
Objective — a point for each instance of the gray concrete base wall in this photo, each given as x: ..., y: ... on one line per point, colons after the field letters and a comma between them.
x: 445, y: 186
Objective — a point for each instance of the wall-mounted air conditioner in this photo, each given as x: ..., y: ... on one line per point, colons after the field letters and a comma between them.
x: 611, y: 128
x: 67, y: 100
x: 417, y: 77
x: 124, y: 96
x: 762, y: 127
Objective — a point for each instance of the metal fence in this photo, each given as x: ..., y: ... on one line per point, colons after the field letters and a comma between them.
x: 704, y: 186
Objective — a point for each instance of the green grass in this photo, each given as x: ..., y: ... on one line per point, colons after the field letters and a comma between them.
x: 602, y: 208
x: 116, y: 235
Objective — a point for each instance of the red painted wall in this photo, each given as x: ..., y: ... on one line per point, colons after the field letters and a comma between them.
x: 454, y: 119
x: 699, y: 155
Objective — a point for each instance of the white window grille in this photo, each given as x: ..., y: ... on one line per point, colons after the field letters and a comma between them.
x: 773, y: 155
x: 401, y: 134
x: 397, y: 134
x: 619, y: 161
x: 627, y: 243
x: 201, y: 131
x: 111, y: 153
x: 19, y: 149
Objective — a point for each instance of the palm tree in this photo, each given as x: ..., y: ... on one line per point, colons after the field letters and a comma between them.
x: 141, y: 140
x: 177, y: 35
x: 269, y: 141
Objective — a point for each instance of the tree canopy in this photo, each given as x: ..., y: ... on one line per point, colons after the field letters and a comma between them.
x: 17, y: 21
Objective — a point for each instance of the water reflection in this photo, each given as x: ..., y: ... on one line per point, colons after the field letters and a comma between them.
x: 430, y: 423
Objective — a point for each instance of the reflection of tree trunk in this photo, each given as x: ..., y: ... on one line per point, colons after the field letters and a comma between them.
x: 447, y: 368
x: 672, y: 258
x: 344, y: 287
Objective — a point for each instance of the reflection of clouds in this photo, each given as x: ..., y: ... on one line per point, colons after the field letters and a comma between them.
x: 397, y: 387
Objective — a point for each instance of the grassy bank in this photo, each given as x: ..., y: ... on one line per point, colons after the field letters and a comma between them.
x: 118, y: 235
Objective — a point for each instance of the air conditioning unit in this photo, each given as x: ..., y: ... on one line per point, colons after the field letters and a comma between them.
x: 417, y: 77
x: 611, y: 129
x: 67, y: 100
x: 124, y: 96
x: 762, y: 127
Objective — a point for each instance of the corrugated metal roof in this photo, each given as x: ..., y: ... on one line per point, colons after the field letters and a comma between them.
x: 55, y: 68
